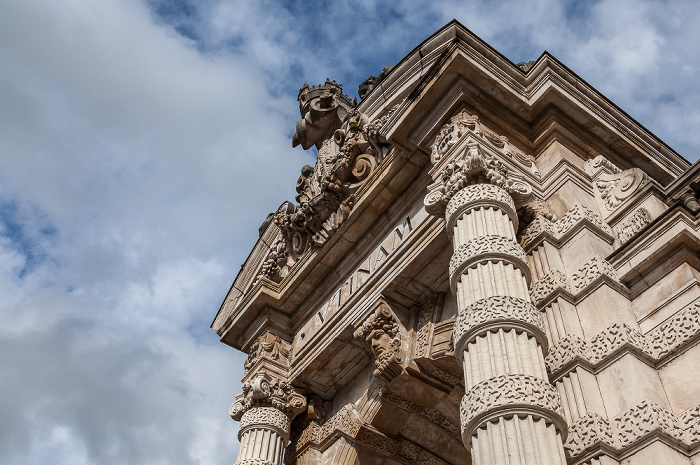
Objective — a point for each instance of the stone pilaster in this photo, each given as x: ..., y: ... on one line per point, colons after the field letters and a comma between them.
x: 510, y: 412
x: 265, y: 409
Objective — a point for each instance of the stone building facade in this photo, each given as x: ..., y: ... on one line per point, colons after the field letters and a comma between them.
x: 489, y: 263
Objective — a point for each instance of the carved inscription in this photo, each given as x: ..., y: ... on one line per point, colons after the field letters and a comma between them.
x: 352, y: 285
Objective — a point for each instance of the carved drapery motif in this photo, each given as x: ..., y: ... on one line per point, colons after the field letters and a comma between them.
x: 632, y: 225
x: 271, y: 347
x: 382, y: 333
x: 501, y: 311
x: 512, y: 394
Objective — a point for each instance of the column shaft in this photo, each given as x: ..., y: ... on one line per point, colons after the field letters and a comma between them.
x: 510, y: 413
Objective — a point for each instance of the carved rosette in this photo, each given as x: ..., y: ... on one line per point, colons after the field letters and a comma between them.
x: 495, y: 312
x: 381, y: 333
x: 510, y: 395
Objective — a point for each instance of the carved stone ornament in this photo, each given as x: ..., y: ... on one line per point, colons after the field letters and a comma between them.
x: 381, y: 332
x: 483, y: 249
x: 349, y: 148
x: 632, y: 225
x: 616, y: 188
x: 476, y: 165
x: 516, y: 394
x: 501, y: 311
x: 463, y: 122
x: 271, y: 347
x: 267, y: 391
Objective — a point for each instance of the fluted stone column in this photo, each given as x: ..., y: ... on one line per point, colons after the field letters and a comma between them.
x: 510, y: 413
x: 265, y: 409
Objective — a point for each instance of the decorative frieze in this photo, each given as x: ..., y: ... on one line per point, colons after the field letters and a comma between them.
x: 640, y: 423
x: 632, y: 225
x: 579, y: 216
x: 484, y: 249
x: 510, y: 395
x: 497, y: 311
x: 663, y: 341
x: 555, y: 281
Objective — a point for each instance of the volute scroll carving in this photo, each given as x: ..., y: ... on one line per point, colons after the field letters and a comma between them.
x: 350, y: 147
x: 268, y: 391
x: 382, y: 333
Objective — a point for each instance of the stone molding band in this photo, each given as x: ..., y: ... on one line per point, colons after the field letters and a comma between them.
x: 254, y: 462
x: 507, y: 395
x: 484, y: 249
x: 268, y: 418
x: 479, y: 196
x: 497, y: 312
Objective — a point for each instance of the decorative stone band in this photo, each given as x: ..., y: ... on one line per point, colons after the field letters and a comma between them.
x: 484, y: 249
x: 479, y: 196
x: 265, y: 418
x: 554, y: 282
x: 636, y: 425
x: 565, y: 227
x: 349, y: 424
x: 508, y: 395
x: 664, y: 341
x: 501, y: 312
x: 255, y: 462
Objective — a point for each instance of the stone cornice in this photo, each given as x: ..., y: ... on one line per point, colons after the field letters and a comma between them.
x: 655, y: 347
x: 592, y: 434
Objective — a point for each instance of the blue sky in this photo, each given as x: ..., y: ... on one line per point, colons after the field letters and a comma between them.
x: 144, y: 141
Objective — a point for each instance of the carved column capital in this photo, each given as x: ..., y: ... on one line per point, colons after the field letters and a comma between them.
x: 382, y: 333
x: 267, y: 391
x: 476, y: 165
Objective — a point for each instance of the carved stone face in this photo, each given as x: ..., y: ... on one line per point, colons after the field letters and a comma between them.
x: 380, y: 342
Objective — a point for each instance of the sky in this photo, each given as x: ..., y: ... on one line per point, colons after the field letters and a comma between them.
x: 143, y: 142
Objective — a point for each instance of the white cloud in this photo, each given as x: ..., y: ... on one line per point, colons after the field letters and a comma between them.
x: 137, y: 165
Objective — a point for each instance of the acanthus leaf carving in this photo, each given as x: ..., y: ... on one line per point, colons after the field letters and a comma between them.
x: 616, y: 188
x: 265, y: 390
x: 475, y: 165
x: 350, y: 146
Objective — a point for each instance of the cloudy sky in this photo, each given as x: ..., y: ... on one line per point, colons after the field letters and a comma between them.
x: 143, y: 142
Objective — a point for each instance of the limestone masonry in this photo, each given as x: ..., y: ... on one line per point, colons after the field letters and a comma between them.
x: 489, y: 264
